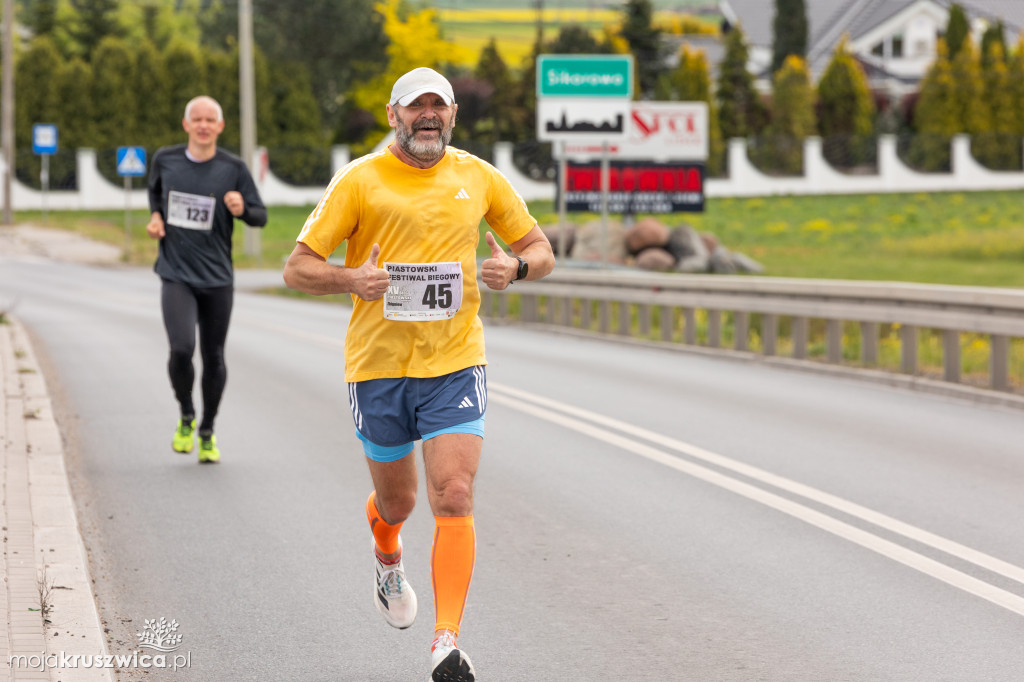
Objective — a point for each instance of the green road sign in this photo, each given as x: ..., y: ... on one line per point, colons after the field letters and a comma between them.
x: 584, y: 75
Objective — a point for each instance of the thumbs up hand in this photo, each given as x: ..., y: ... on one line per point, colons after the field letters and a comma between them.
x: 368, y: 281
x: 500, y: 269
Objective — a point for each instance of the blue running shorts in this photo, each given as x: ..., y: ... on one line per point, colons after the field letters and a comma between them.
x: 390, y: 414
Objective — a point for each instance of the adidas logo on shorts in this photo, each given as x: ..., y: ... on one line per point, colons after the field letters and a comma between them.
x: 466, y: 402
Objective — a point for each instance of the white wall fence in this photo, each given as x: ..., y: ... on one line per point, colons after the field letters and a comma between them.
x: 96, y: 192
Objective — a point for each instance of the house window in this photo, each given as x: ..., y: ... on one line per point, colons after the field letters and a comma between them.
x: 878, y: 50
x: 897, y: 45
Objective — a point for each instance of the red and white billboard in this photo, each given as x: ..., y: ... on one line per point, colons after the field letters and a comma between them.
x: 655, y: 131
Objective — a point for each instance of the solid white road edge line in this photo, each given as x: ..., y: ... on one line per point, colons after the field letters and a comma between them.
x: 891, y: 550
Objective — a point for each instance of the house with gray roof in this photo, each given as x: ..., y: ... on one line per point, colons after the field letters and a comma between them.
x: 895, y: 40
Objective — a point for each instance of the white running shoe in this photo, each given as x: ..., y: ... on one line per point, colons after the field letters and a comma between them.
x: 392, y: 593
x: 449, y: 663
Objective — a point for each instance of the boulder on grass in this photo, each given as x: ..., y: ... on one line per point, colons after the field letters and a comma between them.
x: 655, y: 258
x: 686, y: 245
x: 645, y: 233
x: 588, y: 244
x: 721, y: 261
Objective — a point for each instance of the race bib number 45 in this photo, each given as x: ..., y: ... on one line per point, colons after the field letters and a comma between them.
x: 191, y: 211
x: 423, y: 291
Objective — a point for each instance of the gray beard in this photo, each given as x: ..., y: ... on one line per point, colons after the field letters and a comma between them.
x: 424, y: 152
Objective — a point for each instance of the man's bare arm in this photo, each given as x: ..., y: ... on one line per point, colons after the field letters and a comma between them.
x: 309, y: 272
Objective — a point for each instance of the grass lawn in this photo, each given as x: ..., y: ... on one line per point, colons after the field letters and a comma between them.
x: 974, y: 239
x: 942, y: 238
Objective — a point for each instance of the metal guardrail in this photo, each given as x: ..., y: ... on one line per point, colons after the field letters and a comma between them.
x: 630, y: 303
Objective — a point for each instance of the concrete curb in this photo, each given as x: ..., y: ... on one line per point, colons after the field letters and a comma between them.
x: 43, y: 545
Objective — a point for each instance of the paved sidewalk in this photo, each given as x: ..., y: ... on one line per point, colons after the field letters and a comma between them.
x: 44, y: 561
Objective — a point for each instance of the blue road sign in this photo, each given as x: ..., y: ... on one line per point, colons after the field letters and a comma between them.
x: 44, y: 138
x: 131, y: 161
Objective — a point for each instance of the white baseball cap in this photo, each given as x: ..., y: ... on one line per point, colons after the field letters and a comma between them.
x: 419, y: 82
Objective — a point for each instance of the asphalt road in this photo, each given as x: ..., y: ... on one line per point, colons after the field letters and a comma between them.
x: 641, y: 514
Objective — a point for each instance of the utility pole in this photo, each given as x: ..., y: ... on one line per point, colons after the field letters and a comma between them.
x: 247, y: 106
x: 7, y: 108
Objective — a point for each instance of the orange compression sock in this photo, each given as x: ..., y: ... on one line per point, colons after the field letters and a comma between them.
x: 384, y: 534
x: 451, y: 568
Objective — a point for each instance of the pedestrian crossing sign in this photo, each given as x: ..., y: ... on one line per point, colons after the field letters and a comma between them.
x: 131, y: 161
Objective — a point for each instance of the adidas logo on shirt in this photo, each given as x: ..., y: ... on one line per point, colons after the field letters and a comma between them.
x: 465, y: 401
x: 462, y: 194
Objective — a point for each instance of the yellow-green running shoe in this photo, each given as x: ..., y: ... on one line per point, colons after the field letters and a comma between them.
x: 208, y: 452
x: 184, y: 436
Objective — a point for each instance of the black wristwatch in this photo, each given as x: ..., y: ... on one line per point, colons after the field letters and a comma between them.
x: 524, y: 268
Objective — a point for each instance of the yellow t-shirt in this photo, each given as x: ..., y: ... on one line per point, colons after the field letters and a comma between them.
x: 423, y: 216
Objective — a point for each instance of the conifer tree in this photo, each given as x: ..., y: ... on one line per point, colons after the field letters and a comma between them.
x: 793, y: 118
x: 789, y: 29
x: 151, y: 100
x: 42, y: 17
x: 645, y: 43
x: 76, y: 120
x: 957, y: 29
x: 221, y: 69
x: 34, y: 104
x: 740, y: 110
x: 846, y: 108
x: 969, y: 101
x: 501, y: 117
x: 998, y: 147
x: 935, y: 116
x: 114, y: 103
x: 97, y: 19
x: 1016, y: 77
x: 994, y: 35
x: 186, y: 78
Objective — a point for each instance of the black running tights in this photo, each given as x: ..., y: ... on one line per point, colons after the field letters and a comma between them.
x: 184, y: 308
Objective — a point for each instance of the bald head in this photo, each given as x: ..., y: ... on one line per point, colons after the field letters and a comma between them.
x: 206, y: 100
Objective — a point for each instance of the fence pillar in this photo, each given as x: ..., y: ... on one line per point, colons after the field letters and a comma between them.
x: 714, y: 328
x: 690, y: 327
x: 908, y: 349
x: 769, y: 334
x: 834, y: 341
x: 666, y: 323
x: 869, y: 343
x: 624, y: 320
x: 999, y: 362
x: 741, y: 325
x: 801, y: 332
x: 644, y: 316
x: 604, y: 311
x: 951, y: 355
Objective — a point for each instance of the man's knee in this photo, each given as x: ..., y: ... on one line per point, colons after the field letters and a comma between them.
x: 180, y: 356
x: 395, y: 506
x: 454, y: 496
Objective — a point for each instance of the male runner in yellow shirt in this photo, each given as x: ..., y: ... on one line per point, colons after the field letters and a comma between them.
x: 414, y: 350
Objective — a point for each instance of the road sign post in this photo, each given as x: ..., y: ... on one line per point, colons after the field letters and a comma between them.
x: 131, y: 163
x: 583, y: 98
x: 44, y: 143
